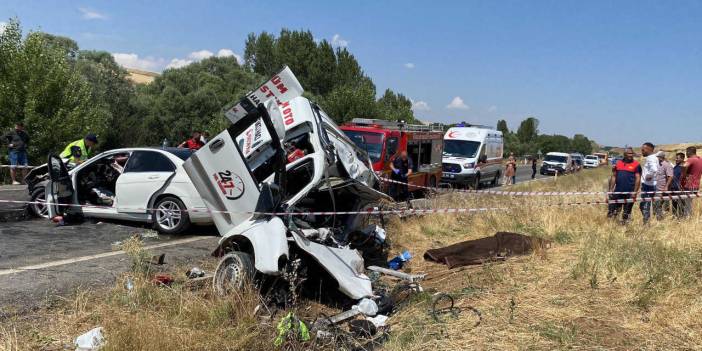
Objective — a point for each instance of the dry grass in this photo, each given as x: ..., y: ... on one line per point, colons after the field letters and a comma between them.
x: 599, y: 286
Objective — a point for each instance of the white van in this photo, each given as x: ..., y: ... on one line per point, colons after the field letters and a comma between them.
x: 556, y: 162
x: 472, y: 155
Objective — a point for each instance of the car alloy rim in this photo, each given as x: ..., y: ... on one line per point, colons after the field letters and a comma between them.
x: 40, y: 205
x: 168, y: 215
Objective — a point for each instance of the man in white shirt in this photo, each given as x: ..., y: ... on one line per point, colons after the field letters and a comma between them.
x: 649, y: 168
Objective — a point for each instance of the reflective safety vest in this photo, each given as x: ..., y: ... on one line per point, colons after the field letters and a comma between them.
x: 76, y: 151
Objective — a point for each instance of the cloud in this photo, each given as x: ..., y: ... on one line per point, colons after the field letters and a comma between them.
x: 227, y: 53
x: 409, y: 65
x: 91, y: 14
x: 420, y: 106
x: 158, y: 64
x: 457, y: 104
x: 338, y: 41
x: 492, y: 108
x: 2, y: 27
x: 132, y: 60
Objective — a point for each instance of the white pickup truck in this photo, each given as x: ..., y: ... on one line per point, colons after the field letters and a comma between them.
x: 282, y: 154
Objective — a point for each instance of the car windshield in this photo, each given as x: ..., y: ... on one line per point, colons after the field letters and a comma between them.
x: 371, y: 142
x: 461, y: 148
x: 182, y: 154
x: 556, y: 159
x: 590, y: 157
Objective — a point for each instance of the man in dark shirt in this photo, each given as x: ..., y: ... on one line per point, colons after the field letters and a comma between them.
x: 401, y: 170
x: 626, y: 178
x: 675, y: 186
x: 17, y: 143
x: 533, y: 167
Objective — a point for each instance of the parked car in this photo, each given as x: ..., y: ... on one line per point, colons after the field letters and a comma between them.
x: 133, y: 184
x: 472, y: 156
x: 555, y: 163
x: 283, y: 154
x: 591, y: 161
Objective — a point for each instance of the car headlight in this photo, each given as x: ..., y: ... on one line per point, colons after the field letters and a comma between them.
x: 469, y: 165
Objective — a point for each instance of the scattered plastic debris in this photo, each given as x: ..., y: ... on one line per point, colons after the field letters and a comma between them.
x: 92, y: 340
x: 362, y: 328
x: 399, y: 261
x: 367, y: 306
x: 129, y: 285
x: 195, y: 272
x: 158, y: 259
x: 379, y: 320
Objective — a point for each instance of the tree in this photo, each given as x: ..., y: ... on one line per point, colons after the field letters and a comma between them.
x: 395, y: 107
x: 40, y: 86
x: 259, y: 54
x: 351, y: 101
x: 554, y: 143
x: 527, y: 133
x: 581, y: 144
x: 502, y: 127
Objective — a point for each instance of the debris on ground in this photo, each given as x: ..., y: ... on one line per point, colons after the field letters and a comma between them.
x: 194, y: 272
x: 158, y: 260
x: 149, y: 234
x: 92, y: 340
x: 162, y: 279
x: 494, y: 248
x: 399, y: 261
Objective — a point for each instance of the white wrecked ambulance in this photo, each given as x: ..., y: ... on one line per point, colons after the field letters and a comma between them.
x: 283, y: 154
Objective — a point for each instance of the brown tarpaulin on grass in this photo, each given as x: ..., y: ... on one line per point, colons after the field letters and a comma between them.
x: 478, y: 251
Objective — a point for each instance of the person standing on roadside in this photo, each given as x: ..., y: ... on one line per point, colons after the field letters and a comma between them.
x: 401, y: 170
x: 17, y: 143
x: 624, y: 186
x: 533, y: 167
x: 648, y: 179
x: 692, y: 170
x: 511, y: 171
x: 664, y: 178
x: 675, y: 185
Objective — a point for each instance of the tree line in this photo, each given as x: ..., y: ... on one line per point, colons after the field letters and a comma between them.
x: 526, y: 140
x: 61, y: 92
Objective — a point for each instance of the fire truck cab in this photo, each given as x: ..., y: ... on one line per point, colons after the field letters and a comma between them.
x: 384, y: 140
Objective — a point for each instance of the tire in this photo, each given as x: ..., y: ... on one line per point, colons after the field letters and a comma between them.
x: 38, y: 210
x: 496, y: 179
x: 170, y: 216
x: 233, y: 272
x: 476, y: 182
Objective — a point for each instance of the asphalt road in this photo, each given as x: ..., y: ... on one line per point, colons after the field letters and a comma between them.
x: 40, y: 261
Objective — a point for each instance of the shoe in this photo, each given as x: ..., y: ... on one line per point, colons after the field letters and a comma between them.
x: 16, y: 183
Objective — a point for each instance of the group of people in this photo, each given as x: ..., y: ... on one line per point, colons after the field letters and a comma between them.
x: 662, y: 185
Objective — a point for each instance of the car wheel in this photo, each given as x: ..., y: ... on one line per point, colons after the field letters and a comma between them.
x: 170, y: 215
x: 38, y: 206
x: 496, y: 179
x: 234, y: 270
x: 476, y: 182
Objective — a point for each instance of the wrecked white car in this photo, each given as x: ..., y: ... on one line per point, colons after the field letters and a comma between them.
x: 281, y: 159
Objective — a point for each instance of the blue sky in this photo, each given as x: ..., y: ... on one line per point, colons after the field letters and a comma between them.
x: 621, y: 72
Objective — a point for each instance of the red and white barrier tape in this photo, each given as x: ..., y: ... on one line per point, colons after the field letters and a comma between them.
x: 374, y: 211
x: 314, y: 213
x: 18, y: 167
x: 533, y: 193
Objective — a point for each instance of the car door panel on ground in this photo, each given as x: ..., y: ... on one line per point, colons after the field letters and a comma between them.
x: 146, y: 172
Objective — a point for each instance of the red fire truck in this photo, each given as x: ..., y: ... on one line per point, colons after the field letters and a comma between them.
x: 384, y: 140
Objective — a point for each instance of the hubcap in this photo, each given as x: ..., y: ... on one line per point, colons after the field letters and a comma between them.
x: 168, y: 215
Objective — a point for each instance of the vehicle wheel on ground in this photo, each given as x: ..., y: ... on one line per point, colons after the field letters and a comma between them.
x: 38, y: 206
x: 495, y: 180
x: 476, y: 182
x: 234, y: 270
x: 170, y: 216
